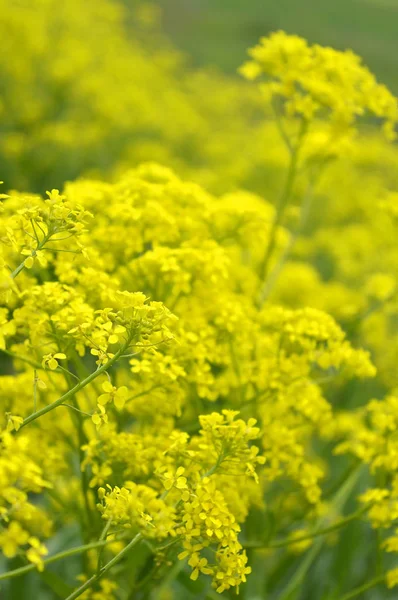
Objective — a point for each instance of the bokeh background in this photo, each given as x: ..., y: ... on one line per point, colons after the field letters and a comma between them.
x: 217, y: 32
x: 88, y: 87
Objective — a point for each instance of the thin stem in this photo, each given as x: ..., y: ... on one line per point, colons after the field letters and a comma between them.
x: 33, y: 254
x: 41, y: 229
x: 143, y: 393
x: 18, y: 270
x: 63, y: 250
x: 69, y: 372
x: 281, y: 129
x: 30, y: 235
x: 305, y: 210
x: 363, y: 588
x: 79, y: 386
x: 214, y: 468
x: 339, y: 500
x: 82, y: 440
x: 143, y: 346
x: 283, y: 201
x: 171, y: 575
x: 35, y: 232
x: 55, y: 558
x: 67, y: 237
x: 79, y: 591
x: 77, y: 410
x: 35, y: 390
x: 103, y: 536
x: 325, y: 530
x: 30, y: 362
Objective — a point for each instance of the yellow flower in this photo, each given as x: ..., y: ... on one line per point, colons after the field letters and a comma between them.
x: 36, y: 552
x: 392, y: 578
x: 100, y: 418
x: 50, y: 361
x: 13, y: 422
x: 177, y: 480
x: 29, y: 262
x: 38, y: 255
x: 55, y: 197
x: 117, y: 395
x: 12, y: 538
x: 311, y: 79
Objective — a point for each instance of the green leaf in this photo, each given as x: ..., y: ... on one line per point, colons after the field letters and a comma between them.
x: 57, y: 585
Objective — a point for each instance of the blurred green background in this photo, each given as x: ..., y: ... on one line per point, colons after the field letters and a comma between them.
x: 217, y: 32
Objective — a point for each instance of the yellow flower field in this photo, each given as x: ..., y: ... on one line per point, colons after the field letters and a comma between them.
x: 198, y: 318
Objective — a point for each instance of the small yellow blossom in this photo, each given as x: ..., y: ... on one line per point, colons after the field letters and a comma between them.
x: 12, y: 538
x: 13, y: 422
x: 50, y: 361
x: 36, y: 552
x: 113, y: 394
x: 100, y: 417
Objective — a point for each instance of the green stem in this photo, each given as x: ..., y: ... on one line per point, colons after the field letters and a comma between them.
x: 103, y: 537
x: 34, y: 390
x: 33, y: 254
x: 82, y: 440
x: 79, y: 386
x: 364, y: 588
x: 18, y: 270
x: 154, y: 572
x: 33, y: 363
x: 318, y: 532
x: 299, y: 575
x: 283, y: 202
x: 55, y: 558
x: 29, y: 361
x: 171, y: 575
x: 79, y: 591
x: 81, y: 412
x: 214, y: 468
x: 280, y: 126
x: 274, y: 275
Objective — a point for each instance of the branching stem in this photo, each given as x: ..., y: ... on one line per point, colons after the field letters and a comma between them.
x: 79, y: 386
x: 79, y: 591
x: 55, y: 558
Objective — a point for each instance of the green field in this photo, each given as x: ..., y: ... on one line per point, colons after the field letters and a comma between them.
x: 219, y: 31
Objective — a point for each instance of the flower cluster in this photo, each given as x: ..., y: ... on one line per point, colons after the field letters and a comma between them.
x: 138, y: 506
x: 22, y: 522
x: 206, y: 521
x: 133, y: 377
x: 312, y: 80
x: 225, y: 441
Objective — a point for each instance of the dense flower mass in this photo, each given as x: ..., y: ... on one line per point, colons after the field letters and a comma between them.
x: 194, y: 379
x: 313, y: 79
